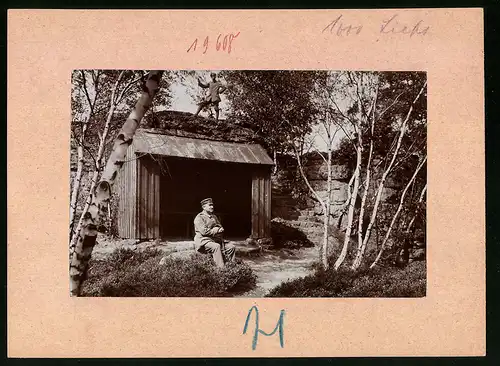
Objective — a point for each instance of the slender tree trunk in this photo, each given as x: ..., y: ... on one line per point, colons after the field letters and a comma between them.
x: 275, y: 160
x: 386, y: 173
x: 76, y: 185
x: 96, y: 215
x: 401, y: 201
x: 100, y: 153
x: 326, y: 219
x: 420, y: 199
x: 352, y: 203
x: 360, y: 252
x: 345, y: 205
x: 322, y: 248
x: 77, y: 181
x: 306, y: 181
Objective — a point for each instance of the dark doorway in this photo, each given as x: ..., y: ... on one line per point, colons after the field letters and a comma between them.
x: 185, y: 182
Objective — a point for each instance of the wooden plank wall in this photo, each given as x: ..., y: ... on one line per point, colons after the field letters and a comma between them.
x: 126, y: 185
x: 138, y: 186
x: 267, y: 230
x: 261, y: 203
x: 255, y: 206
x: 148, y: 199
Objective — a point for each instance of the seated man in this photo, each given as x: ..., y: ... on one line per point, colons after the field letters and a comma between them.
x: 208, y: 237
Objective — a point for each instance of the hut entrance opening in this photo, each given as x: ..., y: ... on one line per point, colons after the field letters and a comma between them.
x: 164, y: 178
x: 185, y: 182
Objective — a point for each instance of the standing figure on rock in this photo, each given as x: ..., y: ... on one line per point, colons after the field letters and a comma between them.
x: 214, y: 87
x: 208, y: 237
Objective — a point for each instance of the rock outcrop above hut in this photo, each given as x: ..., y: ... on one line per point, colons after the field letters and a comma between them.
x: 184, y: 124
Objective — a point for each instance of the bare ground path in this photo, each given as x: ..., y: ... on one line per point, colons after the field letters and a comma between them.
x: 275, y: 267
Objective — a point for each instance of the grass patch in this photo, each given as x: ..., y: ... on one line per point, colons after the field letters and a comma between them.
x: 128, y: 273
x: 378, y: 282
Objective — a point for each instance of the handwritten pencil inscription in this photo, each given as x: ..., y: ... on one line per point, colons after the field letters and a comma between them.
x: 223, y: 43
x: 395, y: 24
x: 341, y: 28
x: 279, y: 327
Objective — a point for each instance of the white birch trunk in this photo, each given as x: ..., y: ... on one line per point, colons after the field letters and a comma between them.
x: 345, y: 205
x: 360, y: 252
x: 77, y: 181
x: 326, y: 219
x: 308, y: 184
x: 100, y: 153
x: 394, y: 218
x: 75, y: 193
x: 352, y: 203
x: 386, y: 173
x: 96, y: 214
x: 322, y: 248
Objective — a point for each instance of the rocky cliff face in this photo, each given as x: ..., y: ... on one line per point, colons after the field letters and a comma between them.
x: 291, y: 197
x: 292, y: 200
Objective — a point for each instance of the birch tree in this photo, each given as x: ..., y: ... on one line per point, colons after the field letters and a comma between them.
x: 96, y: 214
x: 354, y: 115
x: 398, y: 211
x: 112, y: 93
x: 376, y: 144
x: 329, y: 131
x: 83, y: 108
x: 385, y: 174
x: 115, y: 100
x: 357, y: 260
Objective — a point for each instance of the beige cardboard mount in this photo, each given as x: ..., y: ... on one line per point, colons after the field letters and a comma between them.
x: 44, y: 46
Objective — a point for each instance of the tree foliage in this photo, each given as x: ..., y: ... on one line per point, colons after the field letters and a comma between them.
x: 91, y: 101
x: 387, y: 112
x: 277, y: 104
x: 99, y: 202
x: 396, y: 93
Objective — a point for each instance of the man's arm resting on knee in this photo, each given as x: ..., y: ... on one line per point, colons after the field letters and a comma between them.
x: 201, y: 227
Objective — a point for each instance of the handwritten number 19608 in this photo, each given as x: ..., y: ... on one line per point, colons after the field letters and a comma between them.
x: 222, y: 43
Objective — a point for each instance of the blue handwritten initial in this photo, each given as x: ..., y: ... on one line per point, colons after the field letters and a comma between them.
x: 279, y: 326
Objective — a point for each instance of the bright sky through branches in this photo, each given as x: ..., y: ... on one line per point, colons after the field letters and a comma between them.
x: 183, y: 101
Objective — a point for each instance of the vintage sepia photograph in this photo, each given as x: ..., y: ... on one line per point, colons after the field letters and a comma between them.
x: 248, y: 183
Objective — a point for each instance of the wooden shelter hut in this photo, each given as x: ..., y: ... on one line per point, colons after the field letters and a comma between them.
x: 169, y: 171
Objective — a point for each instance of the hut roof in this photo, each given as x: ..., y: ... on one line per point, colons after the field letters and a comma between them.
x: 184, y: 124
x: 184, y: 147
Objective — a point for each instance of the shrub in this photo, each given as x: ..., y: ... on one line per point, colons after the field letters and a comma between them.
x: 286, y: 236
x: 377, y: 282
x: 126, y: 273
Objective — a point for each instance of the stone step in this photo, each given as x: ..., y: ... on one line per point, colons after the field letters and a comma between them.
x: 309, y: 218
x: 185, y: 250
x: 307, y: 212
x: 248, y: 250
x: 305, y: 224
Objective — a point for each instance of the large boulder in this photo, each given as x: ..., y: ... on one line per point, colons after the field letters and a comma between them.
x: 184, y: 124
x: 318, y: 170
